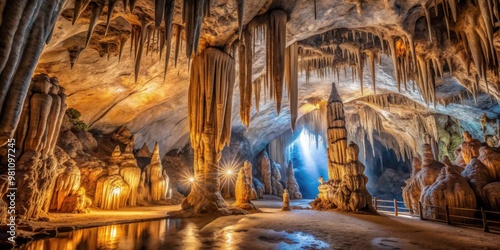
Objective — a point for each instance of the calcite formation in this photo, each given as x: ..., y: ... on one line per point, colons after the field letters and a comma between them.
x: 112, y: 192
x: 346, y: 187
x: 450, y: 189
x: 286, y: 201
x: 437, y: 185
x: 421, y: 179
x: 243, y: 188
x: 37, y: 133
x: 154, y: 179
x: 292, y: 185
x: 210, y: 102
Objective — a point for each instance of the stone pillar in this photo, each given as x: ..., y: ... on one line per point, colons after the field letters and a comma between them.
x: 346, y: 187
x: 209, y: 105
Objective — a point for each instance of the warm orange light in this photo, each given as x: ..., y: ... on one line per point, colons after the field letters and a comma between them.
x: 116, y: 190
x: 229, y: 172
x: 191, y: 179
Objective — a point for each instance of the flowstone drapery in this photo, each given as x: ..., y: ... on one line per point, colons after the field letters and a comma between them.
x: 346, y: 187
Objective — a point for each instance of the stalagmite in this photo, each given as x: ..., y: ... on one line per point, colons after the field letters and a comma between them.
x: 156, y: 183
x: 452, y: 190
x: 94, y: 17
x: 470, y: 147
x: 286, y: 201
x: 67, y: 184
x: 209, y: 107
x: 292, y: 185
x: 418, y: 182
x: 346, y: 187
x: 111, y: 191
x: 243, y: 188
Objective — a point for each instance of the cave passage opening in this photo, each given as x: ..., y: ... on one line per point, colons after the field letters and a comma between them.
x: 308, y: 156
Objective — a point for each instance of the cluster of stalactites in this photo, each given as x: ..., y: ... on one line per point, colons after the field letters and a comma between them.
x: 341, y: 49
x: 210, y: 97
x: 367, y: 122
x: 275, y: 55
x: 148, y: 34
x: 281, y: 65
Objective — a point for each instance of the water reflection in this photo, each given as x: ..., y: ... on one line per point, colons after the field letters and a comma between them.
x: 177, y: 234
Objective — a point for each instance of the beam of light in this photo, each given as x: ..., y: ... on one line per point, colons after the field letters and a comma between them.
x: 228, y: 170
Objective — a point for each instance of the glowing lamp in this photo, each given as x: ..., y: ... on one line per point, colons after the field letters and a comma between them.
x: 229, y: 172
x: 191, y: 179
x: 116, y: 190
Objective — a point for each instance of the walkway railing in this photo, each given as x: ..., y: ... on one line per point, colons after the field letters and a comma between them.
x: 488, y: 220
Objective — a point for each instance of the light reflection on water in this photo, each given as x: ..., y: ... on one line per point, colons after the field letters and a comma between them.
x: 175, y: 234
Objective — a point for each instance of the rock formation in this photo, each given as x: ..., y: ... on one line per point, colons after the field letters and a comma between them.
x: 67, y: 184
x: 450, y: 189
x: 426, y: 176
x: 243, y: 188
x: 155, y: 181
x: 292, y: 185
x: 265, y: 173
x: 286, y: 201
x: 128, y: 170
x: 346, y: 187
x: 36, y: 138
x: 210, y: 102
x: 470, y: 147
x: 112, y: 192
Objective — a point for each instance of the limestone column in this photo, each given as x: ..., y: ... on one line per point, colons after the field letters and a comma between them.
x: 209, y: 106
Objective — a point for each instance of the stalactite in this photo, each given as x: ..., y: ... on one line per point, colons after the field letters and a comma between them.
x: 141, y: 40
x: 80, y: 6
x: 123, y: 40
x: 169, y: 17
x: 371, y: 60
x: 241, y: 12
x: 111, y: 7
x: 132, y: 5
x: 275, y: 54
x: 177, y: 44
x: 192, y: 15
x: 125, y: 4
x: 245, y: 75
x: 315, y: 10
x: 291, y: 77
x: 74, y: 53
x: 159, y: 10
x: 94, y: 17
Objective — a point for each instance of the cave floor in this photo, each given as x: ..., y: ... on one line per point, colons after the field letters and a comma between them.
x: 271, y: 229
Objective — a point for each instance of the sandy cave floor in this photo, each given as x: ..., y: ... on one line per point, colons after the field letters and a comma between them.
x: 271, y: 229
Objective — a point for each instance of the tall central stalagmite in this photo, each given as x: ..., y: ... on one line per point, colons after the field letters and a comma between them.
x: 346, y: 187
x: 210, y: 102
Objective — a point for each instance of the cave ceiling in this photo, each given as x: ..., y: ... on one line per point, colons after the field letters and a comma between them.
x: 107, y: 85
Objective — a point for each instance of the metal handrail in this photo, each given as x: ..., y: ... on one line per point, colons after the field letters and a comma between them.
x: 431, y: 209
